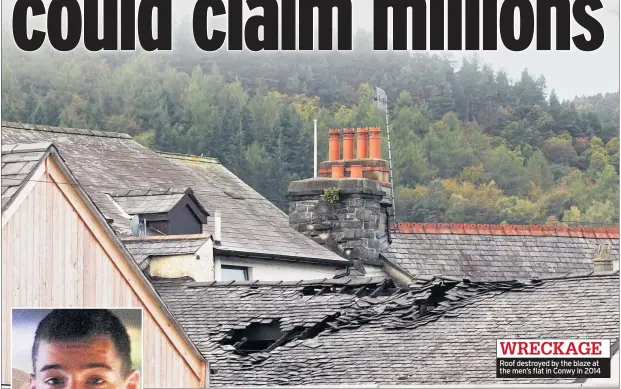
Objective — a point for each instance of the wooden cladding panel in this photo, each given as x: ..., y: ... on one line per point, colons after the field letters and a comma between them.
x: 51, y: 259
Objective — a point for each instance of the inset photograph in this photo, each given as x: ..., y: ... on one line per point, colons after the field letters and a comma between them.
x: 76, y: 347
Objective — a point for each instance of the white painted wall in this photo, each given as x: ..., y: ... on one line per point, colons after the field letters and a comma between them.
x: 177, y: 266
x: 274, y: 270
x: 373, y: 271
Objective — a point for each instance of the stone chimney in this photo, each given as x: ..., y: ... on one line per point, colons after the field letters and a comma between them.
x: 603, y: 262
x: 347, y: 207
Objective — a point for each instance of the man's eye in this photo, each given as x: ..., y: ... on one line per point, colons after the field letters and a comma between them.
x: 96, y: 381
x: 54, y: 381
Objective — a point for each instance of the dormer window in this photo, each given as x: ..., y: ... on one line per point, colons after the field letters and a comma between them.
x: 165, y: 212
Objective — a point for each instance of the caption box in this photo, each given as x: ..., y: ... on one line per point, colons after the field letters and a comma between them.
x: 553, y: 358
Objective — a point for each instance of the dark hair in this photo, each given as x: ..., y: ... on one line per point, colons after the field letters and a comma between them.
x: 79, y: 324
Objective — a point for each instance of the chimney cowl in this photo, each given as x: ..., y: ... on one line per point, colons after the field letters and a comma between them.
x: 338, y: 171
x: 334, y: 144
x: 375, y: 143
x: 363, y: 143
x: 356, y: 171
x: 348, y: 143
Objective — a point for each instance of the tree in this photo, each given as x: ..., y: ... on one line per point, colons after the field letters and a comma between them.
x: 572, y: 216
x: 601, y: 213
x: 506, y: 168
x: 559, y: 150
x: 454, y: 128
x: 538, y: 170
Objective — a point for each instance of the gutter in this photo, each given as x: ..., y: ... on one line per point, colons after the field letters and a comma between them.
x: 289, y: 258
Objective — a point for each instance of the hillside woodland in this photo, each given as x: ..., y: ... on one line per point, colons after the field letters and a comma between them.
x: 469, y: 144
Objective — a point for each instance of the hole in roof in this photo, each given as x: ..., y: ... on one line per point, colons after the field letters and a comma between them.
x: 265, y: 337
x: 258, y: 337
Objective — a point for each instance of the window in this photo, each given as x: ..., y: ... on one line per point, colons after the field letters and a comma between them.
x: 233, y: 273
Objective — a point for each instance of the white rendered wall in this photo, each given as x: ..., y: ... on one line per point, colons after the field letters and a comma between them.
x: 274, y: 270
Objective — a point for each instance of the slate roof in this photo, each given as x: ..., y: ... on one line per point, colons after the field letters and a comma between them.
x: 210, y: 311
x: 497, y: 252
x: 388, y: 339
x: 18, y: 162
x: 144, y: 247
x: 111, y: 162
x: 136, y: 204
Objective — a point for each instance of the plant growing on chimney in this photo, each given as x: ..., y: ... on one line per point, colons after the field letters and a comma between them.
x: 330, y: 195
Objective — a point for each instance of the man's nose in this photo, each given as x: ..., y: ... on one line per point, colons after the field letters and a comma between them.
x: 75, y: 384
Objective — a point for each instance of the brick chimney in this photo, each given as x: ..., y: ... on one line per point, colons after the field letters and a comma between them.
x: 347, y: 207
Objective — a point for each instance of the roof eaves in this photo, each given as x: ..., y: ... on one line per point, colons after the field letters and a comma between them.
x: 156, y: 238
x: 282, y: 257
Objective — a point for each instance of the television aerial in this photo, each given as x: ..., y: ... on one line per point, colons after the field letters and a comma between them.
x: 135, y: 225
x: 380, y: 99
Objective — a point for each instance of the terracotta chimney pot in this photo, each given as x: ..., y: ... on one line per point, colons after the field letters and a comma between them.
x: 375, y: 143
x: 363, y: 142
x: 348, y: 143
x: 338, y: 171
x: 334, y: 144
x: 356, y: 171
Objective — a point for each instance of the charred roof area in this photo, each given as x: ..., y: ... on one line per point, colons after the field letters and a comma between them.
x: 247, y: 323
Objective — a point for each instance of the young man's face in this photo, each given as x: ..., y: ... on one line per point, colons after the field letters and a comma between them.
x: 92, y: 362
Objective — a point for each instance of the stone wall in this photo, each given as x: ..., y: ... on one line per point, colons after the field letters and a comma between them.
x: 354, y: 226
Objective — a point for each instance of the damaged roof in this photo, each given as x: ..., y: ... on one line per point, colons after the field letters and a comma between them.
x: 18, y: 163
x: 437, y: 331
x: 105, y: 163
x: 481, y: 251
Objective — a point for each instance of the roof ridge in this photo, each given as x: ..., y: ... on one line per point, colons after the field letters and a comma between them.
x: 65, y: 130
x: 188, y: 157
x: 505, y: 229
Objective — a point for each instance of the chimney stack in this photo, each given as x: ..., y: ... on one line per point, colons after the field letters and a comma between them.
x: 353, y: 221
x: 334, y: 144
x: 363, y: 142
x: 348, y: 143
x: 603, y: 261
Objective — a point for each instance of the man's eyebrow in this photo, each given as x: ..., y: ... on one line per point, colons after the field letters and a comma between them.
x: 50, y: 367
x: 98, y: 365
